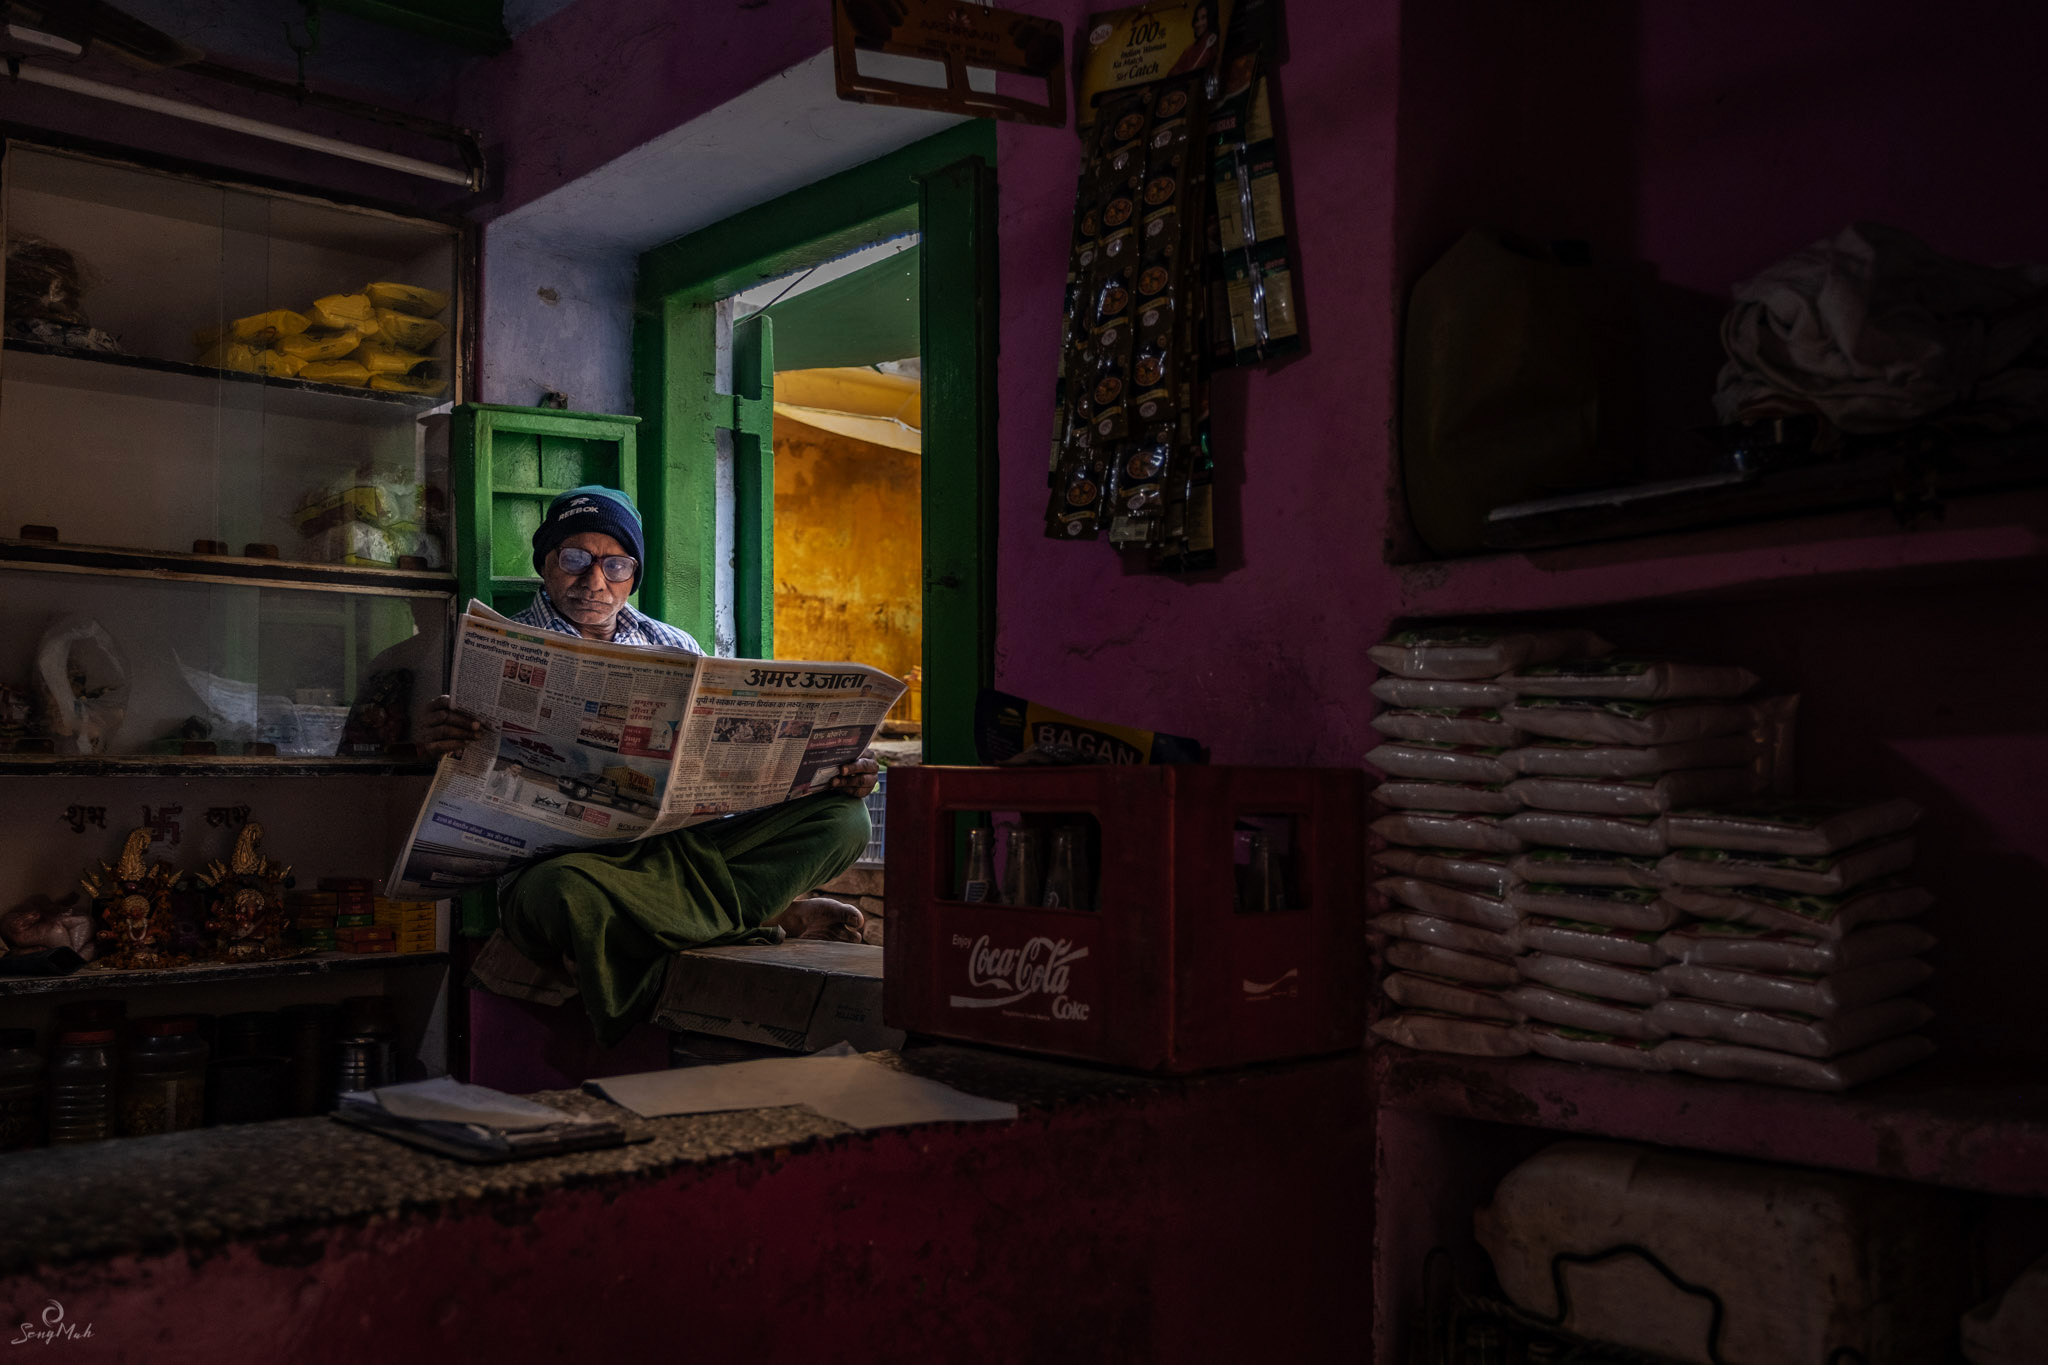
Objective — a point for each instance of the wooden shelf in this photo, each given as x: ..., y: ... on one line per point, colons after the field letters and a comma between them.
x: 171, y: 765
x: 113, y: 561
x: 1983, y: 535
x: 92, y: 979
x: 1968, y: 1125
x: 178, y: 381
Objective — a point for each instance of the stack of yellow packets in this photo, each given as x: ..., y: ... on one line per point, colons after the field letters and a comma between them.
x: 376, y: 339
x: 413, y: 924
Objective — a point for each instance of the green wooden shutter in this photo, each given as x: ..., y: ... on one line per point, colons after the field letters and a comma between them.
x: 508, y: 465
x: 753, y: 477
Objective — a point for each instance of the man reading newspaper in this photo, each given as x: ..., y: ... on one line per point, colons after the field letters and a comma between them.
x: 613, y: 914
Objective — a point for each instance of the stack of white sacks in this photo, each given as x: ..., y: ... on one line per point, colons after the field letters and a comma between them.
x: 1591, y: 857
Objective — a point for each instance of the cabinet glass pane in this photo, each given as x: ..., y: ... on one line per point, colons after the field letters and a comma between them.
x: 223, y: 663
x: 222, y: 368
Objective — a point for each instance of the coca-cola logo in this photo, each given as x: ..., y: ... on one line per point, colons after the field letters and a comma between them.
x: 1038, y: 967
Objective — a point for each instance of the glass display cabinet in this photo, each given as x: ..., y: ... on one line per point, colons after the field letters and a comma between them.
x: 224, y: 487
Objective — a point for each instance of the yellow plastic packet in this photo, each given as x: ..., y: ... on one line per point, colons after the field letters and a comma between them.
x: 347, y: 372
x: 405, y: 383
x: 403, y: 329
x: 351, y: 311
x: 321, y: 345
x: 278, y: 365
x: 406, y: 298
x: 230, y: 355
x: 264, y: 328
x: 381, y: 357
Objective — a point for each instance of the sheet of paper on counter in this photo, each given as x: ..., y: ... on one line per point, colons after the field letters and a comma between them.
x: 837, y: 1084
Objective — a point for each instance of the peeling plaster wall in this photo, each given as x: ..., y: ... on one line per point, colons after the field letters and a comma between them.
x: 556, y: 320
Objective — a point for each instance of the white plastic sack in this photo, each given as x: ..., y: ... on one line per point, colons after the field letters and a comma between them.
x: 1437, y: 692
x: 1478, y: 871
x: 83, y: 683
x: 1554, y: 1006
x: 1451, y: 902
x: 1721, y: 943
x: 1459, y: 652
x: 1441, y: 725
x: 1447, y: 996
x: 1598, y: 721
x: 1636, y: 796
x: 1821, y: 996
x: 2009, y: 1329
x: 1634, y: 908
x: 1849, y: 1031
x: 1591, y: 942
x: 1444, y: 933
x: 1630, y: 679
x: 1829, y: 875
x: 1430, y: 829
x: 1733, y: 1062
x: 1569, y: 758
x: 1426, y: 1032
x: 1586, y: 867
x: 1459, y: 796
x: 1826, y: 917
x: 1602, y: 980
x: 1442, y: 762
x: 1597, y: 1049
x: 1804, y: 829
x: 1639, y: 835
x: 1409, y: 956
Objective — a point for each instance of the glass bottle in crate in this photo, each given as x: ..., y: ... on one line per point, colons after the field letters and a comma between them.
x: 1063, y: 883
x: 981, y: 866
x: 1023, y: 868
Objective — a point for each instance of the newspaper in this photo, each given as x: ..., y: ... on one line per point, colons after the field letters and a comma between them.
x: 588, y: 742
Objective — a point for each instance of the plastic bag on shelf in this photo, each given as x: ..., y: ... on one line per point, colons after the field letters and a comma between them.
x: 1446, y: 693
x: 1639, y: 835
x: 1407, y: 794
x: 1805, y: 829
x: 1456, y: 653
x: 1636, y: 796
x: 1437, y: 829
x: 1721, y: 943
x: 1444, y: 725
x: 1801, y: 1034
x: 1630, y: 679
x: 1597, y: 1049
x: 1428, y: 1032
x: 1410, y: 956
x: 1734, y: 1062
x: 1577, y: 758
x: 1554, y: 1006
x: 1490, y: 875
x: 1602, y: 980
x: 1592, y: 942
x: 1823, y: 876
x: 1425, y: 762
x: 1586, y: 867
x: 40, y: 922
x: 1823, y: 997
x: 82, y: 684
x: 1451, y: 902
x: 1637, y: 909
x: 1447, y: 996
x: 1445, y: 933
x: 1597, y: 720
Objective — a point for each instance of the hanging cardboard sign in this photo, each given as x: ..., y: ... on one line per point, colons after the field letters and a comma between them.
x: 954, y: 56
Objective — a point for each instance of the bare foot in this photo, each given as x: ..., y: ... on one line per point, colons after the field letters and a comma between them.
x: 820, y: 917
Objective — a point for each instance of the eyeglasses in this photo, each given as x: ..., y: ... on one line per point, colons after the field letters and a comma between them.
x: 576, y: 563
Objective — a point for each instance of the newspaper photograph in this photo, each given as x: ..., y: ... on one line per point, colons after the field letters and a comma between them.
x: 588, y: 743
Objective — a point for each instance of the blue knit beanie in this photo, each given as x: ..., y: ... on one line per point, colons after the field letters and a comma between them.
x: 593, y: 507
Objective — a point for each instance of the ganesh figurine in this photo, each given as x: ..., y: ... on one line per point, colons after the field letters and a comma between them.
x: 133, y: 901
x: 248, y: 919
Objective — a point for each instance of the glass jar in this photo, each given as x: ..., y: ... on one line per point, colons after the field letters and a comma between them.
x: 82, y: 1086
x: 21, y: 1090
x: 164, y: 1090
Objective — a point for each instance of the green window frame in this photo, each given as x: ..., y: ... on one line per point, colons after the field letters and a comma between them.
x: 942, y: 188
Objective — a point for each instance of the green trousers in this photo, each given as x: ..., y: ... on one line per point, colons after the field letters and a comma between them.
x: 619, y: 912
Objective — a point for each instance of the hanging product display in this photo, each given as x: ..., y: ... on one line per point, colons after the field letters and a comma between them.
x: 1251, y: 311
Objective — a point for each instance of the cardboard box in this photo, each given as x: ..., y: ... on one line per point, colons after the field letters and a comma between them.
x: 799, y: 996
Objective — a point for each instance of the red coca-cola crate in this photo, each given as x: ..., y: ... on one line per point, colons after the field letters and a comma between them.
x: 1167, y: 973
